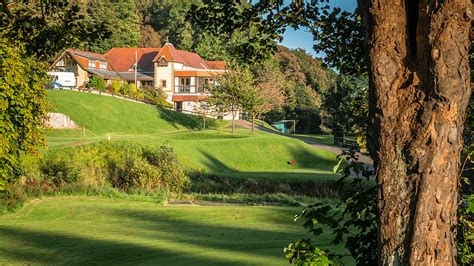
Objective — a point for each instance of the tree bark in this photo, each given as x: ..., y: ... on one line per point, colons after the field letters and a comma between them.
x: 420, y: 88
x: 233, y: 121
x: 253, y: 124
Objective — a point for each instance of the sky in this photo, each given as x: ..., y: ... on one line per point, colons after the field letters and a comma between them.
x: 301, y: 38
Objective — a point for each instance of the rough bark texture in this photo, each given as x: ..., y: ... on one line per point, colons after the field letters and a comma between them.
x: 420, y: 87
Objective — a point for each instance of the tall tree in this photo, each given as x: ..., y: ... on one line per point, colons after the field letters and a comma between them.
x: 22, y: 108
x: 46, y: 27
x: 120, y: 18
x: 419, y: 91
x: 230, y: 92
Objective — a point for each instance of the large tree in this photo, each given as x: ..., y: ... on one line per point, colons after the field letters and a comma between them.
x: 419, y: 90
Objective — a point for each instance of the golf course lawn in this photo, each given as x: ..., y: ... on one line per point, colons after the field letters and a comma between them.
x: 211, y: 151
x: 95, y: 230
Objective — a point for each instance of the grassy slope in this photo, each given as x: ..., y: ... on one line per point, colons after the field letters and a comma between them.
x: 103, y: 114
x: 213, y: 151
x: 75, y: 230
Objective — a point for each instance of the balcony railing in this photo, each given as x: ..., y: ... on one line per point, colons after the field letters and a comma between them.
x: 184, y: 89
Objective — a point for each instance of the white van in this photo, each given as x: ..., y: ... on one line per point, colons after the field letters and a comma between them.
x: 62, y: 80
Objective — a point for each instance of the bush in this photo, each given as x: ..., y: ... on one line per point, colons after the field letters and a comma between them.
x: 154, y: 96
x: 125, y: 88
x: 12, y: 198
x: 122, y: 165
x: 172, y: 174
x: 133, y: 91
x: 97, y: 83
x: 114, y: 87
x: 138, y: 174
x: 59, y: 169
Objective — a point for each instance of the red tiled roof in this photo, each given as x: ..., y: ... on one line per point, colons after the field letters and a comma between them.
x: 122, y: 59
x: 187, y: 98
x: 189, y: 59
x: 216, y: 64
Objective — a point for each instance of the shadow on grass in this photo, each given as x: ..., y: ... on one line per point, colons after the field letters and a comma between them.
x: 191, y: 122
x: 168, y: 241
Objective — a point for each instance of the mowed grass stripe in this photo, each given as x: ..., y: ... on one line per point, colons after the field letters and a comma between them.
x: 76, y: 230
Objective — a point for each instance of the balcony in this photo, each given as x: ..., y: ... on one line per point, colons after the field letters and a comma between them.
x: 185, y: 89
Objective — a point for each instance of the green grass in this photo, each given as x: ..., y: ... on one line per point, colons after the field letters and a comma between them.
x: 216, y: 151
x: 94, y: 230
x: 322, y: 138
x: 104, y: 114
x: 266, y: 125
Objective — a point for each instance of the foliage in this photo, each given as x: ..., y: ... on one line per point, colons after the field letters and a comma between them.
x: 302, y: 252
x: 172, y: 175
x: 22, y: 108
x: 133, y: 91
x: 465, y: 248
x: 119, y: 19
x: 123, y: 165
x: 97, y: 83
x: 114, y: 87
x: 305, y: 85
x: 125, y: 88
x: 352, y: 222
x: 154, y: 96
x: 335, y: 28
x: 345, y: 105
x: 47, y: 27
x: 230, y: 92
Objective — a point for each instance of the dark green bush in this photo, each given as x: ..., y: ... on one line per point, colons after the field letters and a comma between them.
x: 138, y: 174
x: 172, y: 174
x: 59, y: 168
x: 97, y: 83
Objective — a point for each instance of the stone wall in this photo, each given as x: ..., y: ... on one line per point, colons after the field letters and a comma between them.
x: 58, y: 120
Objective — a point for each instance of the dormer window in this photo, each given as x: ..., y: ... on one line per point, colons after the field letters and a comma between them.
x: 103, y: 65
x: 162, y: 62
x: 91, y: 64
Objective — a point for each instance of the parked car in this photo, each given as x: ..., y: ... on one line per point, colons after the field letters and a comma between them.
x: 62, y: 80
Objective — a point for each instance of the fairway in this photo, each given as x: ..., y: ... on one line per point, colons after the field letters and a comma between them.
x: 213, y: 151
x: 94, y: 230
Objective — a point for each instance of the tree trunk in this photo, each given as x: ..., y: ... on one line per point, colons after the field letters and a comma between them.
x: 253, y: 124
x: 420, y: 88
x: 233, y: 121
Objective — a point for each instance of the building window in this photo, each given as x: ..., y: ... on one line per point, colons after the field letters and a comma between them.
x: 184, y: 85
x: 203, y: 83
x: 91, y: 64
x: 103, y: 65
x: 163, y: 83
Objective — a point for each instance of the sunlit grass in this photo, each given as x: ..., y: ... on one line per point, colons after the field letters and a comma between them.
x: 78, y: 230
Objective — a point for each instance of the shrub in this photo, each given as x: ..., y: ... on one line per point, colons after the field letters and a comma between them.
x: 138, y: 174
x: 125, y: 88
x: 133, y: 91
x: 12, y: 198
x: 97, y: 83
x: 154, y: 96
x: 172, y: 174
x: 59, y: 168
x: 122, y: 165
x: 114, y: 87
